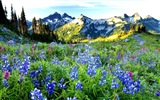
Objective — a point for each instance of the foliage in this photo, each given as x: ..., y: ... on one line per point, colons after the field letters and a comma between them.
x: 92, y: 71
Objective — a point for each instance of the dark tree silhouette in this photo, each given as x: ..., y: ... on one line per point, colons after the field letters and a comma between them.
x: 3, y: 18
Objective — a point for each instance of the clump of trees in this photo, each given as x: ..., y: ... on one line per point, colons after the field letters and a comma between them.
x: 41, y: 32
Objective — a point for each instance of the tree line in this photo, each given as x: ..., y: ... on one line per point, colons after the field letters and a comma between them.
x: 40, y: 31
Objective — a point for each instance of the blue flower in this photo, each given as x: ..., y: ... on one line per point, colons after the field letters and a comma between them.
x: 50, y: 87
x: 36, y: 83
x: 25, y: 65
x: 103, y: 78
x: 69, y: 98
x: 114, y: 85
x: 74, y: 73
x: 61, y: 85
x: 21, y: 79
x: 42, y: 55
x: 48, y: 78
x: 158, y: 93
x: 34, y: 74
x: 91, y: 71
x: 37, y: 95
x: 79, y: 86
x: 5, y: 82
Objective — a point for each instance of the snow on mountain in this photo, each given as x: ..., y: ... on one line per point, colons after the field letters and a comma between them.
x: 56, y: 20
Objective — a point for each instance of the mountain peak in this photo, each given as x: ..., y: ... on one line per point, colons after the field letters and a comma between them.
x: 65, y: 15
x: 125, y: 16
x: 148, y: 17
x: 137, y: 17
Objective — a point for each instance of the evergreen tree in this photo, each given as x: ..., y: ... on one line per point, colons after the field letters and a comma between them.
x: 39, y: 26
x: 23, y: 22
x: 34, y: 25
x: 3, y: 18
x: 12, y: 15
x: 131, y: 27
x: 5, y: 11
x: 15, y: 20
x: 19, y: 24
x: 125, y: 31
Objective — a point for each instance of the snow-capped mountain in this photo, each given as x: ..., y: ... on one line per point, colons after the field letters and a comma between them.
x: 56, y: 20
x: 85, y: 26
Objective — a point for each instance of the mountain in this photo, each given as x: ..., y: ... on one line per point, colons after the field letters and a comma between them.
x: 84, y: 26
x: 57, y: 20
x: 152, y: 24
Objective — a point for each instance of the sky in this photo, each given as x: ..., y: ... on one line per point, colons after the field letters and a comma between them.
x: 95, y: 9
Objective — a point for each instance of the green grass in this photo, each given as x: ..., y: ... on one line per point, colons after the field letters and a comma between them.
x: 149, y: 77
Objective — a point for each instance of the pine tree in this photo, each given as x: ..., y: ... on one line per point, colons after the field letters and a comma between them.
x: 34, y: 25
x: 19, y: 24
x: 23, y: 22
x: 125, y: 31
x: 5, y: 11
x: 15, y: 20
x: 3, y: 18
x: 12, y: 14
x: 131, y: 27
x: 39, y: 26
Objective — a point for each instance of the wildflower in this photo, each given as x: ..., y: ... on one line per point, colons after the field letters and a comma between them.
x: 61, y: 85
x: 21, y: 79
x: 1, y: 48
x: 25, y: 65
x: 114, y: 84
x: 79, y: 86
x: 20, y: 51
x: 130, y: 73
x: 48, y: 78
x: 37, y: 95
x: 6, y: 75
x: 5, y: 82
x: 103, y: 78
x: 158, y: 93
x: 42, y: 55
x: 69, y: 98
x: 91, y: 71
x: 50, y: 87
x: 133, y: 57
x: 34, y: 74
x: 119, y: 56
x: 74, y: 73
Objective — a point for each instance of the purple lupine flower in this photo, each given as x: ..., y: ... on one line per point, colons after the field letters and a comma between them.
x: 74, y: 73
x: 6, y: 75
x: 5, y: 82
x: 103, y: 78
x: 114, y: 85
x: 37, y: 95
x: 48, y: 78
x: 79, y: 86
x: 91, y: 71
x: 36, y: 83
x: 158, y: 93
x: 130, y: 85
x: 56, y: 61
x: 42, y: 55
x: 61, y: 85
x: 50, y: 87
x: 25, y: 65
x: 34, y: 74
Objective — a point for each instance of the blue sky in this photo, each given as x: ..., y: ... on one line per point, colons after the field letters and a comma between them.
x: 95, y: 9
